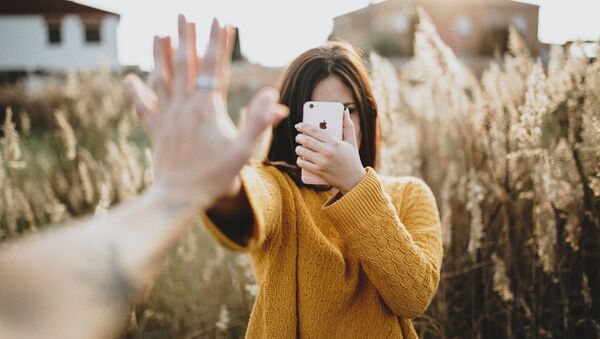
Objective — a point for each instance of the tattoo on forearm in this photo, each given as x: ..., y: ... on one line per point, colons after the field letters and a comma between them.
x: 109, y: 280
x: 112, y: 279
x: 120, y: 286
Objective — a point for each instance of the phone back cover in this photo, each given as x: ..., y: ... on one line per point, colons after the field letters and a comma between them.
x: 329, y: 117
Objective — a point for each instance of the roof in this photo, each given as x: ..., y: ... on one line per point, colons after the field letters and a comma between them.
x: 48, y: 7
x: 372, y: 5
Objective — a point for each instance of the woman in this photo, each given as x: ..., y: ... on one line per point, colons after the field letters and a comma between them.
x: 356, y: 259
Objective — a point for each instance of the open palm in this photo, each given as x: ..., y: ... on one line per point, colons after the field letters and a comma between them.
x: 198, y: 151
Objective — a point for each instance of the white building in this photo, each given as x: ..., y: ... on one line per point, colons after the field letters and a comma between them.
x: 56, y: 36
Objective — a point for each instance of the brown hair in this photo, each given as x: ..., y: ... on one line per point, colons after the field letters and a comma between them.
x: 336, y: 58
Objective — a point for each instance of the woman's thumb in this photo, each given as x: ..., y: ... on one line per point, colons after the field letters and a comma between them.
x: 349, y: 134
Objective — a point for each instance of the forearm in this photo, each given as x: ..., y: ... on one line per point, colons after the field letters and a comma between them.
x: 145, y: 230
x: 401, y: 258
x: 233, y: 215
x: 405, y: 275
x: 255, y: 216
x: 233, y: 209
x: 89, y: 271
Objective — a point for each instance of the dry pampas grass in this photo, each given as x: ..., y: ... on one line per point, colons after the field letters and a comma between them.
x: 513, y: 159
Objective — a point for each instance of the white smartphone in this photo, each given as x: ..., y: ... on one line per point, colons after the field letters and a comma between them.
x: 328, y: 116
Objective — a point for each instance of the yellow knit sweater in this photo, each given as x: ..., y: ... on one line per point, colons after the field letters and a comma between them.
x: 358, y: 265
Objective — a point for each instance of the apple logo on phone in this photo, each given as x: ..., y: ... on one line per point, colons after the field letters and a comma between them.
x: 323, y: 124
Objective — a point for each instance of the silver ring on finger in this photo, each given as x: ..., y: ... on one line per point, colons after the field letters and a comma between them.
x: 207, y: 82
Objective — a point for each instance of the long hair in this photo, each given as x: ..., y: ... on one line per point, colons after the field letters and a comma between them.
x: 335, y: 58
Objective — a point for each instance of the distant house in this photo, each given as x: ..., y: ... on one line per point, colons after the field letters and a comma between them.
x: 470, y: 27
x: 55, y: 36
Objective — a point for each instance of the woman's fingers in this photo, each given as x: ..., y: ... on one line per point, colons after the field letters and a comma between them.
x: 314, y: 132
x: 349, y: 135
x: 308, y: 154
x: 312, y: 143
x: 307, y: 165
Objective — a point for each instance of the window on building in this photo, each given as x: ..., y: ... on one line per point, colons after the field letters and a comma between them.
x: 464, y: 25
x: 92, y: 32
x: 54, y: 33
x: 520, y: 23
x: 401, y: 22
x: 493, y: 40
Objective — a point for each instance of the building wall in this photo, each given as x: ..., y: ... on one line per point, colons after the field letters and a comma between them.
x: 378, y: 25
x: 24, y: 45
x: 451, y: 20
x: 463, y: 24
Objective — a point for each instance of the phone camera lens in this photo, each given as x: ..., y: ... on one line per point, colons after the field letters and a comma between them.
x: 311, y: 106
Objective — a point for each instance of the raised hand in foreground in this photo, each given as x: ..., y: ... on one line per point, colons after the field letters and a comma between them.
x: 78, y: 281
x: 198, y: 151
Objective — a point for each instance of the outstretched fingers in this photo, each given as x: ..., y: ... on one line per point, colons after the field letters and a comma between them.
x: 229, y: 41
x: 217, y: 59
x: 213, y: 51
x: 184, y: 59
x: 160, y: 79
x: 192, y: 54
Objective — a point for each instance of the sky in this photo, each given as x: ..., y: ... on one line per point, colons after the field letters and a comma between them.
x: 564, y: 20
x: 273, y: 32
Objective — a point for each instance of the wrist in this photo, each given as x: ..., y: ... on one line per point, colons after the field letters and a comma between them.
x: 355, y: 180
x: 163, y: 193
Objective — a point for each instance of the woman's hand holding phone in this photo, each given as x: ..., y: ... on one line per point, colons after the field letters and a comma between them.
x: 335, y: 161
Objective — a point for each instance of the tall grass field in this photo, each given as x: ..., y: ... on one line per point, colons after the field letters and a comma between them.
x: 513, y: 158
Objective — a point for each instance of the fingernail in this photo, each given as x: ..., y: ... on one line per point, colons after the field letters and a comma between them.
x: 298, y: 125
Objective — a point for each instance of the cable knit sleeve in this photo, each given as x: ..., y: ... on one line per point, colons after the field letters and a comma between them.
x: 400, y: 251
x: 263, y: 187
